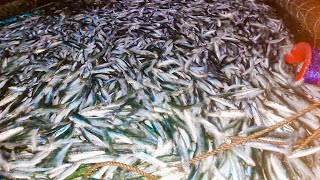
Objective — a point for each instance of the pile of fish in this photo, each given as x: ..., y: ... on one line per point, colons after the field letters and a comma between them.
x: 152, y: 84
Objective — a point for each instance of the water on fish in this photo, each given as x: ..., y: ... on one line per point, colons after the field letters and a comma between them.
x: 151, y: 84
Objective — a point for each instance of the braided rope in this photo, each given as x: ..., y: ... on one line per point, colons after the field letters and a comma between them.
x: 314, y: 136
x: 285, y: 121
x: 236, y: 138
x: 256, y: 134
x: 216, y: 151
x: 239, y: 140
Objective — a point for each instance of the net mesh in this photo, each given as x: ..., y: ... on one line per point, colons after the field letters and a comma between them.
x: 307, y: 13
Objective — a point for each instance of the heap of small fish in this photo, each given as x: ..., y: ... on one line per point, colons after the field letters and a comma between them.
x: 152, y: 84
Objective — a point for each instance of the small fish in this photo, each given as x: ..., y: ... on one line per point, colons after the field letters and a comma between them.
x: 9, y: 133
x: 68, y: 171
x: 9, y: 99
x: 304, y: 152
x: 152, y: 85
x: 265, y: 146
x: 84, y: 155
x: 150, y: 159
x: 228, y: 114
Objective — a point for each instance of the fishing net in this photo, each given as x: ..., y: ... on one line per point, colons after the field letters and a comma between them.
x: 152, y: 87
x: 306, y: 14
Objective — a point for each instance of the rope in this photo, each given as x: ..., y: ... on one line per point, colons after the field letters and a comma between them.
x: 255, y: 135
x: 285, y: 121
x: 216, y: 151
x: 122, y: 165
x: 236, y: 138
x: 309, y: 139
x: 223, y: 147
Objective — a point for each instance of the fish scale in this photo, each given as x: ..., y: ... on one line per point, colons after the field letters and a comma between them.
x: 148, y: 78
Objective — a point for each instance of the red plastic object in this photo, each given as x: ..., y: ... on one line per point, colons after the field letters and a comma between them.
x: 301, y: 52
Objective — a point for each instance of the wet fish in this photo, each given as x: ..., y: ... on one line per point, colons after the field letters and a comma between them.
x: 151, y: 84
